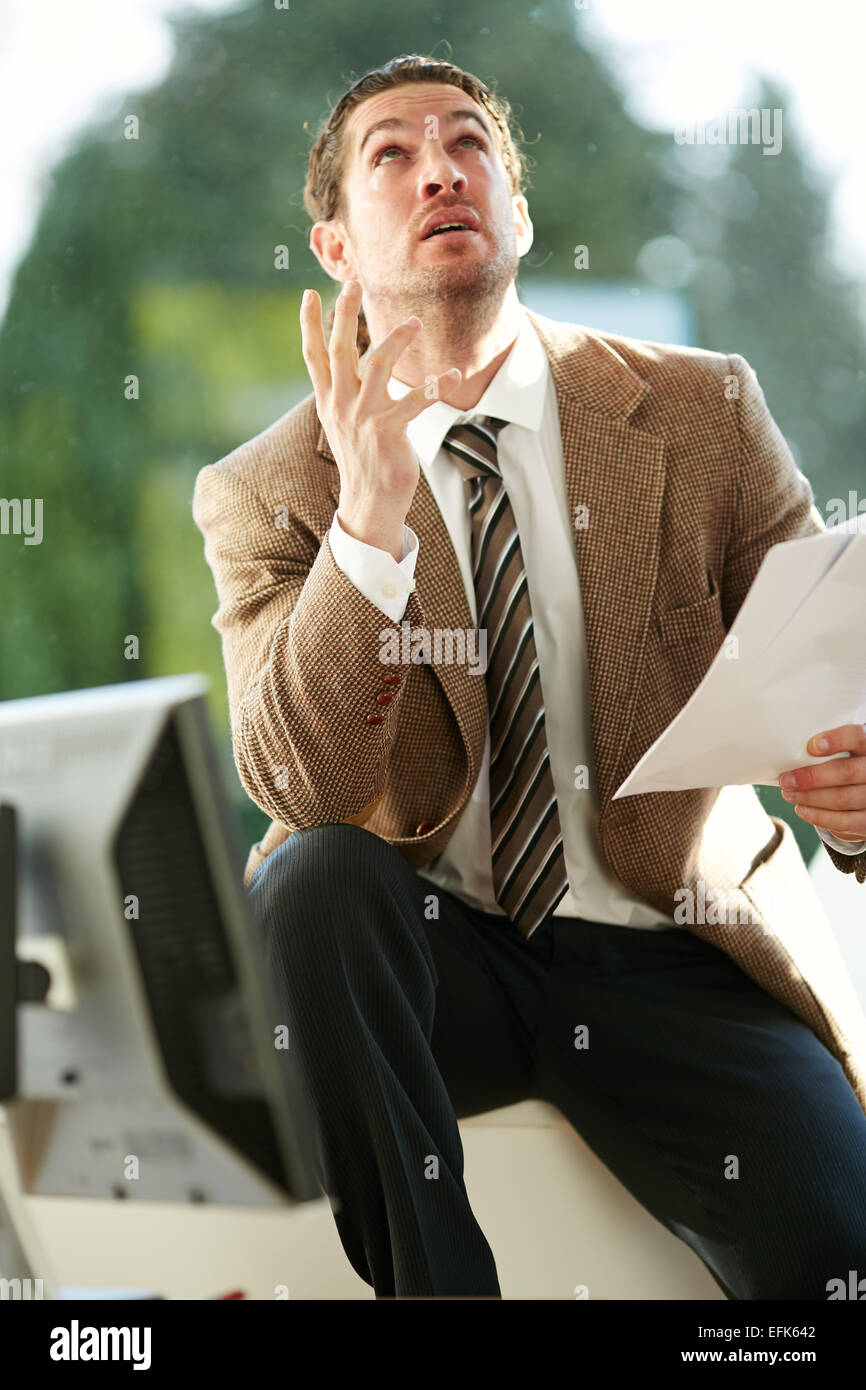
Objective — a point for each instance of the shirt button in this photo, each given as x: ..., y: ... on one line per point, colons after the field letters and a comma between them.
x: 384, y: 697
x: 424, y: 827
x: 389, y: 590
x: 393, y: 678
x: 375, y: 718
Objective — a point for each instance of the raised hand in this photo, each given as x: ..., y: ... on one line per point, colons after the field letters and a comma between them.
x: 365, y: 427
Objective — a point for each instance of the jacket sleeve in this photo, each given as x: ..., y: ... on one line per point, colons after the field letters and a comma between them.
x: 305, y: 655
x: 775, y: 503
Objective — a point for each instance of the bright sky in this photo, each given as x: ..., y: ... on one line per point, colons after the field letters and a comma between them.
x: 690, y: 60
x: 676, y: 61
x: 61, y: 61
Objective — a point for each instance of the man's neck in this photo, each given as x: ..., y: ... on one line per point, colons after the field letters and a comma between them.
x: 478, y: 356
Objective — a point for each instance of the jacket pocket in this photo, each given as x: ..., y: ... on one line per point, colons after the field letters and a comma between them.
x: 692, y: 621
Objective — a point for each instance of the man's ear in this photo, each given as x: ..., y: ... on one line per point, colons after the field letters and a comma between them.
x: 329, y: 244
x: 523, y: 228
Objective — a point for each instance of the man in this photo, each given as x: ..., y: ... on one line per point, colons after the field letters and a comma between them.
x: 458, y: 914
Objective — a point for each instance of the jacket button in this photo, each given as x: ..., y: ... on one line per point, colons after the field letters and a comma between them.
x: 424, y: 827
x: 392, y: 679
x: 384, y: 697
x: 375, y: 718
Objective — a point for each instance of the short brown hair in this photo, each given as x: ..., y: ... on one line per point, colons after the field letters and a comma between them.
x: 323, y: 190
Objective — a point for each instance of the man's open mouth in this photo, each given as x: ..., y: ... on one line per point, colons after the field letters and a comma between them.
x: 442, y: 225
x: 448, y: 227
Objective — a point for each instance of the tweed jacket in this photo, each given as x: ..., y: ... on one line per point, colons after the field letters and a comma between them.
x: 686, y: 481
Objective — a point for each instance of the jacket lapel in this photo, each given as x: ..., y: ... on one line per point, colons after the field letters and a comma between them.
x: 614, y: 475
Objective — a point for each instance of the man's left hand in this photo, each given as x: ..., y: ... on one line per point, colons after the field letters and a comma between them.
x: 832, y: 795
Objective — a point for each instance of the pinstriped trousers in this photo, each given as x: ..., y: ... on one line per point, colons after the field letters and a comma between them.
x: 714, y: 1105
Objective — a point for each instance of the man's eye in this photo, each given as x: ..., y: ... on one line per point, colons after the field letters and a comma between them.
x: 383, y: 154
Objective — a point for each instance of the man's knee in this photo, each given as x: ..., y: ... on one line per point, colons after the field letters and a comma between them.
x: 320, y: 853
x: 339, y: 893
x: 324, y: 875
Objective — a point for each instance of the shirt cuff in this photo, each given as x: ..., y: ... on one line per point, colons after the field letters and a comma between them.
x: 375, y: 573
x: 843, y: 846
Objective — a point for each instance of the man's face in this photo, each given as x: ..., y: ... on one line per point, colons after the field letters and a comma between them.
x: 416, y: 156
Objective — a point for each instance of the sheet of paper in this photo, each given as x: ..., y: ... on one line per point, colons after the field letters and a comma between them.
x: 793, y: 663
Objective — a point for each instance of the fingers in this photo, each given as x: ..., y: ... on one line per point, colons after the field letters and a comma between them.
x: 382, y: 358
x: 421, y: 397
x: 836, y: 772
x: 313, y: 346
x: 848, y: 738
x: 333, y: 367
x: 848, y: 825
x: 831, y: 798
x: 379, y: 365
x: 344, y: 377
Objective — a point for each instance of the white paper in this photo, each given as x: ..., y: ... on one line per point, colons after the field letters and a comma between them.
x: 796, y: 665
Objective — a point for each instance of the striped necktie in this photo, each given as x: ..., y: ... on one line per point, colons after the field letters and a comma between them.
x: 529, y: 873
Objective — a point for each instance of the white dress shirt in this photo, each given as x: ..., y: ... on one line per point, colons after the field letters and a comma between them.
x: 530, y: 459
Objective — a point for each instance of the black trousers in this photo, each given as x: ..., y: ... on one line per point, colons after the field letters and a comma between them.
x: 716, y: 1106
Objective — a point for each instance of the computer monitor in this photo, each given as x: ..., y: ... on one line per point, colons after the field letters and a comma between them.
x: 144, y: 1052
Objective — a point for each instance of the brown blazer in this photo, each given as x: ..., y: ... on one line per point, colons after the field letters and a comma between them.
x: 687, y: 481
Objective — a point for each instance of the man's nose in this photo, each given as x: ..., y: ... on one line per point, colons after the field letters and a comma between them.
x: 440, y: 172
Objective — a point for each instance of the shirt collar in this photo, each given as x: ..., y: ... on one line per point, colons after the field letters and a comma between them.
x: 516, y: 394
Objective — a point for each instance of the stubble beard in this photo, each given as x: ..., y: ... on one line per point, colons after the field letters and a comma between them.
x: 464, y: 297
